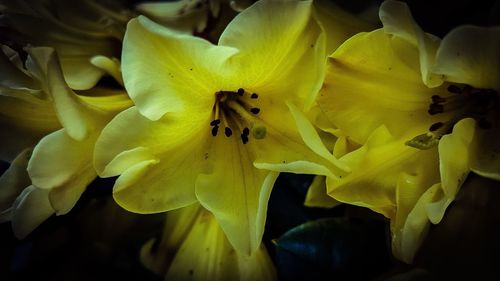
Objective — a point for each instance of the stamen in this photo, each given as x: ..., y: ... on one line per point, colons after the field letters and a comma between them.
x: 215, y: 129
x: 240, y: 92
x: 254, y: 96
x: 438, y: 99
x: 255, y: 110
x: 436, y: 126
x: 454, y: 89
x: 435, y: 109
x: 217, y: 111
x: 215, y: 122
x: 244, y: 135
x: 228, y: 132
x: 239, y: 109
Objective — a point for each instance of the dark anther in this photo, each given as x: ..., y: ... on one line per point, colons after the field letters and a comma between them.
x: 255, y: 110
x: 254, y: 96
x: 454, y: 89
x: 435, y: 109
x: 215, y: 122
x: 241, y: 91
x: 244, y: 138
x: 215, y: 129
x: 246, y: 131
x: 436, y: 126
x: 438, y: 99
x: 228, y: 132
x: 484, y: 124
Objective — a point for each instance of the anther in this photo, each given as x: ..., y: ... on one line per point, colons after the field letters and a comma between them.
x: 255, y: 110
x: 244, y: 138
x: 215, y: 122
x: 454, y: 89
x: 435, y: 109
x: 438, y: 99
x: 215, y: 129
x: 246, y: 131
x: 241, y: 91
x: 228, y: 132
x: 254, y: 96
x: 436, y: 126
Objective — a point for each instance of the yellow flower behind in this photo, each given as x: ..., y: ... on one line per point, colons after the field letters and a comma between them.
x: 194, y: 247
x: 86, y: 34
x: 421, y: 109
x: 64, y: 126
x: 211, y: 122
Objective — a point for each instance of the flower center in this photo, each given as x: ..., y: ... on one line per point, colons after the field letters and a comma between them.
x: 237, y: 112
x: 464, y: 102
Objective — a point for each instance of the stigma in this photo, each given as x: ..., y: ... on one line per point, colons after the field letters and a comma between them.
x: 237, y: 112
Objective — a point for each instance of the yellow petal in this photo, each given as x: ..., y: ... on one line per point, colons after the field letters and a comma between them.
x: 373, y: 79
x: 23, y: 122
x: 312, y: 139
x: 110, y: 65
x: 277, y: 54
x: 64, y: 166
x: 12, y: 75
x: 258, y: 267
x: 376, y: 167
x: 80, y: 73
x: 31, y: 208
x: 316, y: 195
x: 286, y: 146
x: 469, y: 55
x: 206, y: 254
x: 71, y: 112
x: 105, y: 101
x: 485, y: 150
x: 166, y: 71
x: 178, y: 224
x: 454, y: 156
x: 411, y: 223
x: 14, y: 180
x: 183, y: 15
x: 454, y: 162
x: 236, y: 192
x: 398, y: 21
x: 338, y: 24
x: 158, y: 172
x: 73, y: 30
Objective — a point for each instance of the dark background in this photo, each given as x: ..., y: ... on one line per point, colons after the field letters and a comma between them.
x: 99, y: 241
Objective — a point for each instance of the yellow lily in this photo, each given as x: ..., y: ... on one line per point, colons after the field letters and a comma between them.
x: 419, y: 108
x: 194, y: 247
x: 211, y: 122
x: 60, y: 165
x: 86, y: 34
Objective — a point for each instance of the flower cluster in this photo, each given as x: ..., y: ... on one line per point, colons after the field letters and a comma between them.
x: 197, y: 106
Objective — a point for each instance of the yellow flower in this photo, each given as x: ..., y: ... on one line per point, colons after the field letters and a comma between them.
x: 425, y: 113
x: 211, y: 122
x: 194, y: 247
x: 86, y: 34
x: 60, y: 165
